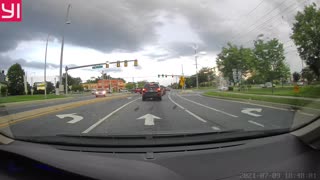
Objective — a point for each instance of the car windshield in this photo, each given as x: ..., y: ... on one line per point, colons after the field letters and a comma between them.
x: 117, y: 67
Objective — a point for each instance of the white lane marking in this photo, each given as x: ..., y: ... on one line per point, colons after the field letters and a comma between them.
x: 248, y: 111
x: 149, y: 119
x: 129, y: 97
x: 215, y: 128
x: 75, y: 118
x: 258, y: 124
x: 217, y: 110
x: 106, y: 117
x: 189, y: 112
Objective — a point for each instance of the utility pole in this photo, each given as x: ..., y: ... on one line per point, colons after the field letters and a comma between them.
x: 102, y: 77
x: 196, y: 59
x: 45, y: 70
x: 62, y: 46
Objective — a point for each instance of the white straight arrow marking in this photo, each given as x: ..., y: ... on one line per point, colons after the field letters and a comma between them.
x: 75, y: 118
x: 249, y: 111
x: 149, y: 119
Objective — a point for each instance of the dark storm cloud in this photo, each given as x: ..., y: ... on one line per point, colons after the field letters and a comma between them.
x: 6, y: 62
x: 128, y: 25
x: 102, y: 25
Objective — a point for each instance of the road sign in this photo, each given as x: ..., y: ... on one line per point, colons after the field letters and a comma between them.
x: 182, y: 81
x: 97, y: 67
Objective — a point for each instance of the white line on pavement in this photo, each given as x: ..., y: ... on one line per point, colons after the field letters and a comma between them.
x: 103, y: 119
x: 192, y: 114
x: 215, y: 128
x: 258, y: 124
x: 217, y: 110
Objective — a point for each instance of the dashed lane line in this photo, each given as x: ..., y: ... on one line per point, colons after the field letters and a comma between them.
x: 217, y: 110
x: 189, y: 112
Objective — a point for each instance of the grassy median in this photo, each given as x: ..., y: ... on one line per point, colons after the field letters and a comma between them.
x: 305, y: 91
x: 10, y: 99
x: 282, y: 100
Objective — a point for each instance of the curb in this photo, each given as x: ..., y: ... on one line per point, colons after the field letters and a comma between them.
x: 22, y: 116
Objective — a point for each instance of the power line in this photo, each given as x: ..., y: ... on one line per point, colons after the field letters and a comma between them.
x: 263, y: 16
x: 256, y: 7
x: 262, y: 24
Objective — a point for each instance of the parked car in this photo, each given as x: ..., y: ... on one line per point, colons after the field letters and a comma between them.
x: 93, y: 91
x: 300, y: 83
x: 223, y: 88
x: 151, y: 91
x: 123, y: 90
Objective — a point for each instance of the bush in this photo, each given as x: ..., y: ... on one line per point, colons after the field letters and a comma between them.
x: 4, y: 90
x: 249, y: 86
x: 230, y: 88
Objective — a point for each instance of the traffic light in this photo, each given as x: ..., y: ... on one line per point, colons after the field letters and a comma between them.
x: 172, y: 75
x: 158, y: 75
x: 107, y: 65
x: 125, y: 63
x: 162, y: 75
x: 118, y: 63
x: 135, y: 62
x: 166, y: 76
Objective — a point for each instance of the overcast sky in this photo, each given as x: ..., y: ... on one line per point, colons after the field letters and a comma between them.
x: 160, y: 34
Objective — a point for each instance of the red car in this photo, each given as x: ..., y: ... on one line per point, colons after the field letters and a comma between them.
x: 138, y: 90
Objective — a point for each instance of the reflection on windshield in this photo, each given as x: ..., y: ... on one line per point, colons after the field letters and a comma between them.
x: 159, y: 69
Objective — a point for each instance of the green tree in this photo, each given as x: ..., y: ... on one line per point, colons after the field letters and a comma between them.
x: 308, y: 74
x: 77, y: 87
x: 234, y: 57
x: 306, y: 36
x: 270, y: 61
x: 296, y: 76
x: 141, y: 84
x: 191, y: 81
x: 130, y: 85
x: 15, y: 80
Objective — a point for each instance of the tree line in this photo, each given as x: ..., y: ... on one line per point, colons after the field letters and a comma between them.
x: 16, y: 86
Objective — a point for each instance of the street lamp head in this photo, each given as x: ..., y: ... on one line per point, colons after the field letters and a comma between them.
x: 68, y: 22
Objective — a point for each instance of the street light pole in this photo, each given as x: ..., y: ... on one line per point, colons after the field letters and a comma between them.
x: 196, y: 59
x: 45, y: 69
x: 62, y: 45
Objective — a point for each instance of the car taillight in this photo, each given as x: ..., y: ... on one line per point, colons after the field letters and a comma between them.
x: 144, y: 90
x: 159, y: 89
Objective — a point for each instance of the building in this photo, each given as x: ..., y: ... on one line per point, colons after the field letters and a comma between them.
x: 90, y: 86
x: 115, y: 84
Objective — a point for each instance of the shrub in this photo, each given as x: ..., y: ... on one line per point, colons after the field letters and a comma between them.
x: 4, y: 90
x: 230, y: 88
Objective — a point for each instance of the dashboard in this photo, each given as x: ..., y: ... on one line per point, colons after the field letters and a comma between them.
x: 276, y: 157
